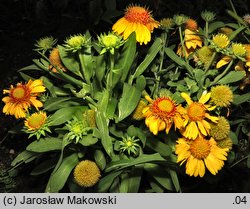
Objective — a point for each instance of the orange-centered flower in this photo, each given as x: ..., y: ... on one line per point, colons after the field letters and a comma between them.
x: 21, y: 97
x: 139, y: 20
x: 196, y: 123
x: 199, y: 155
x: 35, y: 121
x: 162, y: 113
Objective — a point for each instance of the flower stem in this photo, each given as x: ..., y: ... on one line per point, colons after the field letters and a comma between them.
x: 157, y: 74
x: 182, y: 43
x: 210, y: 62
x: 110, y: 73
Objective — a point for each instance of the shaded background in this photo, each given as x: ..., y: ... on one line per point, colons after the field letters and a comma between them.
x: 22, y: 22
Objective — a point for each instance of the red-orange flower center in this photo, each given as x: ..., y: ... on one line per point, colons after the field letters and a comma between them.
x: 200, y: 148
x: 20, y: 93
x: 163, y: 108
x: 196, y: 111
x: 138, y: 15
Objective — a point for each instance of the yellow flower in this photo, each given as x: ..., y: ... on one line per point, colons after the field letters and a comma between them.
x: 192, y: 40
x: 221, y: 95
x: 139, y: 20
x: 247, y: 56
x: 196, y: 123
x: 21, y: 97
x: 199, y: 155
x: 86, y: 173
x: 238, y: 49
x: 162, y: 113
x: 55, y: 60
x: 35, y: 121
x: 221, y: 40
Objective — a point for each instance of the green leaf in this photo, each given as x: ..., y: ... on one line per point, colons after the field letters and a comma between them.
x: 140, y: 82
x: 145, y: 158
x: 239, y: 99
x: 69, y: 61
x: 234, y: 137
x: 160, y: 175
x: 30, y: 67
x: 172, y: 55
x: 231, y: 77
x: 87, y: 65
x: 102, y: 125
x: 25, y: 157
x: 64, y: 114
x: 45, y: 145
x: 152, y: 52
x: 26, y: 77
x: 88, y: 140
x: 41, y: 65
x: 161, y: 148
x: 60, y: 176
x: 44, y: 167
x: 235, y: 33
x: 106, y: 181
x: 100, y: 159
x: 127, y: 56
x: 215, y: 25
x: 128, y: 102
x: 135, y: 176
x: 55, y: 103
x: 100, y: 67
x: 175, y: 180
x: 124, y: 185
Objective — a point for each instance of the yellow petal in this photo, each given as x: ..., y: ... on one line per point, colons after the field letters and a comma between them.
x: 187, y: 98
x: 225, y: 60
x: 204, y: 98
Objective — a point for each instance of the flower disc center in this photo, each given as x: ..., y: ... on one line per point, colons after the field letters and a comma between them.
x: 36, y: 121
x: 196, y: 111
x: 138, y: 15
x: 200, y: 148
x: 18, y: 93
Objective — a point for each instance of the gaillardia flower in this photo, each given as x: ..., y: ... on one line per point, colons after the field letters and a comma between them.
x: 86, y: 173
x: 221, y: 95
x: 21, y: 97
x: 220, y: 40
x: 200, y: 154
x: 139, y: 20
x: 36, y: 124
x: 35, y: 121
x: 225, y: 143
x: 162, y: 113
x: 196, y: 123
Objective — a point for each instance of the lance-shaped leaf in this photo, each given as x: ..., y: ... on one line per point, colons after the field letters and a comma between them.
x: 128, y: 102
x: 60, y: 176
